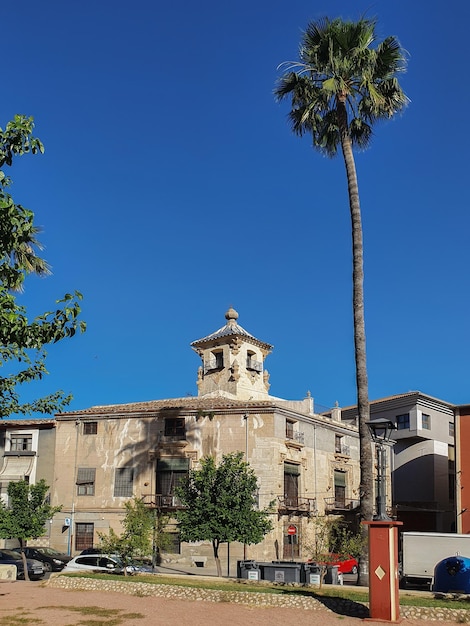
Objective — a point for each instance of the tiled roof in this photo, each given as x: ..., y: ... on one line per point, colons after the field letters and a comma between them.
x: 50, y: 421
x: 231, y: 329
x: 187, y: 403
x: 225, y: 331
x: 400, y: 396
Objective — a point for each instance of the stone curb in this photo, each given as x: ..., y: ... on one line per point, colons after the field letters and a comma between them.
x: 340, y: 606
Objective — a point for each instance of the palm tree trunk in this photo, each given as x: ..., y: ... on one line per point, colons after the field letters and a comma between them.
x: 366, y: 456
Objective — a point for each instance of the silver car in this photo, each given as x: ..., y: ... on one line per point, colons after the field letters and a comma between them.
x: 110, y: 564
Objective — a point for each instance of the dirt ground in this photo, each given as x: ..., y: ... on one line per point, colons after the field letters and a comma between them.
x: 32, y: 603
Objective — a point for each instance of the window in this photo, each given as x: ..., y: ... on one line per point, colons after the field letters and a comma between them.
x: 90, y: 428
x: 84, y: 536
x: 170, y: 472
x: 340, y: 489
x: 86, y: 481
x: 252, y: 363
x: 425, y: 421
x: 291, y: 484
x: 219, y: 360
x: 451, y: 429
x: 175, y: 427
x: 451, y: 469
x: 338, y: 444
x: 21, y: 443
x: 123, y: 482
x: 403, y: 421
x: 289, y: 429
x: 174, y: 543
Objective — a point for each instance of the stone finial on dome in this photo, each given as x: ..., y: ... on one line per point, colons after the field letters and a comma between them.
x: 231, y: 315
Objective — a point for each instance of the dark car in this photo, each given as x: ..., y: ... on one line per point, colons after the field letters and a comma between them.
x: 52, y: 560
x: 11, y: 557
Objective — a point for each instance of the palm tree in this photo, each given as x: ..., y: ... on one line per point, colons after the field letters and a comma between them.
x: 340, y: 86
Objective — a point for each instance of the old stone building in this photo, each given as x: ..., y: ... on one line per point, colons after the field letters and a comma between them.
x: 306, y: 463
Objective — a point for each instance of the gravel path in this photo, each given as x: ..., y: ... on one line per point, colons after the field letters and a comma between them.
x: 55, y: 606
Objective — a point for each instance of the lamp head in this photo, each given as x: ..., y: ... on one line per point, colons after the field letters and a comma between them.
x: 381, y: 429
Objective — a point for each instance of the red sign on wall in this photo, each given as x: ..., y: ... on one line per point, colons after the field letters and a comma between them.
x: 292, y: 530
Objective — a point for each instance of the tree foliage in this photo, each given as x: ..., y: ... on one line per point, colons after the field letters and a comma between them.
x: 143, y: 533
x: 220, y: 503
x: 26, y: 514
x: 343, y: 83
x: 23, y: 340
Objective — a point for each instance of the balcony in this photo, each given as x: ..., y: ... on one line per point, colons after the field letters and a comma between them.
x: 165, y: 503
x: 340, y: 504
x: 251, y: 364
x: 343, y: 450
x: 294, y: 439
x: 289, y: 505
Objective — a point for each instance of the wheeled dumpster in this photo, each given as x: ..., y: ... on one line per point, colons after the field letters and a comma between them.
x: 452, y: 575
x: 282, y: 572
x: 248, y: 569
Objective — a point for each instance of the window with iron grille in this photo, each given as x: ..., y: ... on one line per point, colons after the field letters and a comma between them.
x: 21, y: 443
x: 84, y: 536
x: 90, y: 428
x: 174, y: 543
x: 123, y: 482
x: 171, y: 471
x: 86, y: 481
x: 175, y: 427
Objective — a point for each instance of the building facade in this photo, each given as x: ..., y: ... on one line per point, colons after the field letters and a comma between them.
x: 423, y: 470
x: 306, y: 463
x: 27, y: 452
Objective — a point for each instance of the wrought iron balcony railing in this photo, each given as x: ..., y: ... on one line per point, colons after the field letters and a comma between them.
x: 163, y: 502
x: 340, y: 504
x: 291, y: 505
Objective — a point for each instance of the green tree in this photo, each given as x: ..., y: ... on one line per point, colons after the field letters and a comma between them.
x: 26, y: 514
x: 143, y: 532
x: 220, y: 502
x: 332, y: 536
x: 23, y: 340
x: 343, y: 83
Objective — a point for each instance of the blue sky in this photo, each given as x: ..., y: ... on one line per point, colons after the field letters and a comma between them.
x: 173, y: 188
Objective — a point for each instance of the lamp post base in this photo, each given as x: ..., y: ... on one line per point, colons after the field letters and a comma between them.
x: 384, y: 602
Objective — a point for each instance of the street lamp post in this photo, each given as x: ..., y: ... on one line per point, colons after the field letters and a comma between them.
x: 381, y: 431
x: 384, y: 604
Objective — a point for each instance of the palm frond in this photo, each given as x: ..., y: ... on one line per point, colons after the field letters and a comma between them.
x: 339, y: 63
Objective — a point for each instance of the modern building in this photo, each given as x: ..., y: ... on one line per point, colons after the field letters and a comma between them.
x: 308, y: 464
x: 423, y: 471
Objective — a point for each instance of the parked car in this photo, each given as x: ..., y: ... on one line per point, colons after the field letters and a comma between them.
x: 97, y: 563
x: 91, y: 551
x: 346, y: 564
x: 52, y: 560
x: 11, y: 557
